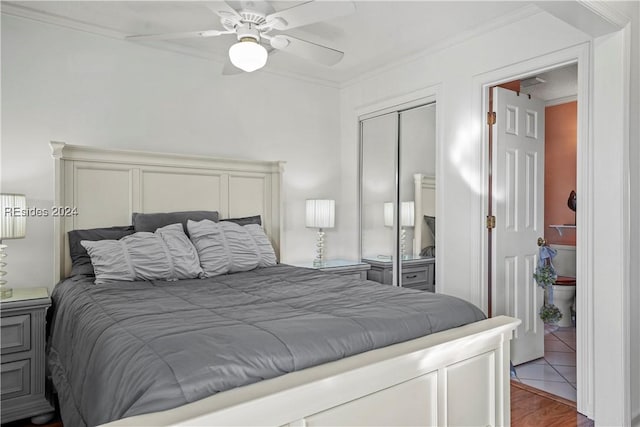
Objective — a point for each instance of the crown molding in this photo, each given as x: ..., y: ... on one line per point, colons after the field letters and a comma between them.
x: 15, y: 10
x: 561, y: 100
x: 606, y: 12
x: 508, y: 18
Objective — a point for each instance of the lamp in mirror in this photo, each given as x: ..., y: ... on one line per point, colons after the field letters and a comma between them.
x: 320, y: 214
x: 407, y: 219
x: 12, y: 226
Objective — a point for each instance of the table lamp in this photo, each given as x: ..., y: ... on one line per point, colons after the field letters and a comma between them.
x: 407, y: 219
x: 320, y: 214
x: 11, y: 227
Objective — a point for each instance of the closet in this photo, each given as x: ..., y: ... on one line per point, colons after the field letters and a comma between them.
x: 397, y: 195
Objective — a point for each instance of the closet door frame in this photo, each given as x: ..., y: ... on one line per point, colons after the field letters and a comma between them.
x: 394, y: 106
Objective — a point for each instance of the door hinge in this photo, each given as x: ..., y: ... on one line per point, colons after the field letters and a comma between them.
x: 491, y: 118
x: 491, y: 222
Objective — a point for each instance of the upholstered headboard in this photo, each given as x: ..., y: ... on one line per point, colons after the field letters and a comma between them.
x: 106, y: 186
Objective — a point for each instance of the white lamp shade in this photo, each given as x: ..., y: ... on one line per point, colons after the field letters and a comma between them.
x: 407, y: 214
x: 248, y: 55
x: 12, y: 226
x: 321, y: 213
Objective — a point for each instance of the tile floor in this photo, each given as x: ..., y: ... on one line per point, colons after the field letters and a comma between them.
x: 555, y: 373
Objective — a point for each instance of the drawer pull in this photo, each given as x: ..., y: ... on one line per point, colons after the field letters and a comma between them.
x: 413, y: 276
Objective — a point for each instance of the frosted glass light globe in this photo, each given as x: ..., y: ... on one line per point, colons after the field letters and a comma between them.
x: 248, y: 55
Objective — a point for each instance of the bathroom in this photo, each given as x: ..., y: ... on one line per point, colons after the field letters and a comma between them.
x: 555, y: 373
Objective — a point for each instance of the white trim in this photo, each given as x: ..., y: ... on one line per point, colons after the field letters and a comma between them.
x: 584, y: 258
x: 561, y: 100
x: 605, y: 12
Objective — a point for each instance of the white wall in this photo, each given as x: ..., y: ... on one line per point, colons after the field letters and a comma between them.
x: 459, y: 176
x: 459, y: 169
x: 65, y: 85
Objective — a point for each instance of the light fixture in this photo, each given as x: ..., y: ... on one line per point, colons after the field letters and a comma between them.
x: 407, y: 219
x: 12, y: 226
x: 320, y: 214
x: 248, y: 54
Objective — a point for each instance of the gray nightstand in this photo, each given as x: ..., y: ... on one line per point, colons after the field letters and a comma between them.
x: 341, y: 266
x: 22, y: 354
x: 417, y: 272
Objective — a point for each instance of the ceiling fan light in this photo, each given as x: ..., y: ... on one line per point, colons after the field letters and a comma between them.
x: 248, y: 55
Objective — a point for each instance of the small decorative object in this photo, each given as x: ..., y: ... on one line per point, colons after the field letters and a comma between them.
x: 572, y: 202
x: 12, y: 226
x: 550, y: 314
x: 545, y: 276
x: 320, y: 214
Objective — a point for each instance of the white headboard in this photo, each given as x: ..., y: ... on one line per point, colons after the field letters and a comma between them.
x: 106, y: 186
x: 425, y: 204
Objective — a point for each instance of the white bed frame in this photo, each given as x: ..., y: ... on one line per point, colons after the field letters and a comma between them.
x: 455, y: 377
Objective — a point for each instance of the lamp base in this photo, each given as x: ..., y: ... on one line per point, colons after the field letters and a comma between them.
x: 319, y: 260
x: 5, y: 292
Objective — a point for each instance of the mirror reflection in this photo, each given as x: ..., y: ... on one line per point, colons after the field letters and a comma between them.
x: 397, y: 181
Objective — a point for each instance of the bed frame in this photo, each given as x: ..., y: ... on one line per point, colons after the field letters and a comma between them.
x: 455, y: 377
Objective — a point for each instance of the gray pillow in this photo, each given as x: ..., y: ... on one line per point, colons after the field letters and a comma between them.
x: 152, y: 221
x: 80, y: 259
x: 209, y: 241
x: 431, y: 222
x: 224, y: 247
x: 267, y: 256
x: 245, y: 220
x: 166, y: 254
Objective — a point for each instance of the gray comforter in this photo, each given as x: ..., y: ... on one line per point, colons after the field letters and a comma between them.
x: 129, y: 348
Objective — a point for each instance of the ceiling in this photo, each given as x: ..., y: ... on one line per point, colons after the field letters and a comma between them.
x: 378, y: 33
x: 559, y: 83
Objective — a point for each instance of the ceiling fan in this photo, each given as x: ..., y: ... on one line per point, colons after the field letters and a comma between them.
x: 253, y: 26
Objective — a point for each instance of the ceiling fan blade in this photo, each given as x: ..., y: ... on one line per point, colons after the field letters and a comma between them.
x: 186, y: 35
x: 224, y: 10
x: 309, y: 13
x: 307, y: 50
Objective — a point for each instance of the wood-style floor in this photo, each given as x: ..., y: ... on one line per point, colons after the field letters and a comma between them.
x: 531, y: 407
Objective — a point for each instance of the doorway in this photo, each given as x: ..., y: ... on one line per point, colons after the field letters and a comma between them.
x: 548, y: 361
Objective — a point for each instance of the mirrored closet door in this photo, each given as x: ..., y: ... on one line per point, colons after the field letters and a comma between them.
x: 397, y: 195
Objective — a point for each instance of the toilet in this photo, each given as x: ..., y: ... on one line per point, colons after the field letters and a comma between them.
x: 564, y: 290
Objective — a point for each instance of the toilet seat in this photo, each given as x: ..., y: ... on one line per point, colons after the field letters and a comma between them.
x: 565, y: 281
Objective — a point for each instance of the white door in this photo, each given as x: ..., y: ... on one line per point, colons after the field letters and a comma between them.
x: 518, y: 205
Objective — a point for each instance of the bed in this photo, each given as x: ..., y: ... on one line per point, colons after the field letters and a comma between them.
x: 391, y: 363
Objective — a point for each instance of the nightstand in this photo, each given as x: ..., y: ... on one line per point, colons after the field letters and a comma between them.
x: 341, y: 266
x: 22, y: 354
x: 417, y: 272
